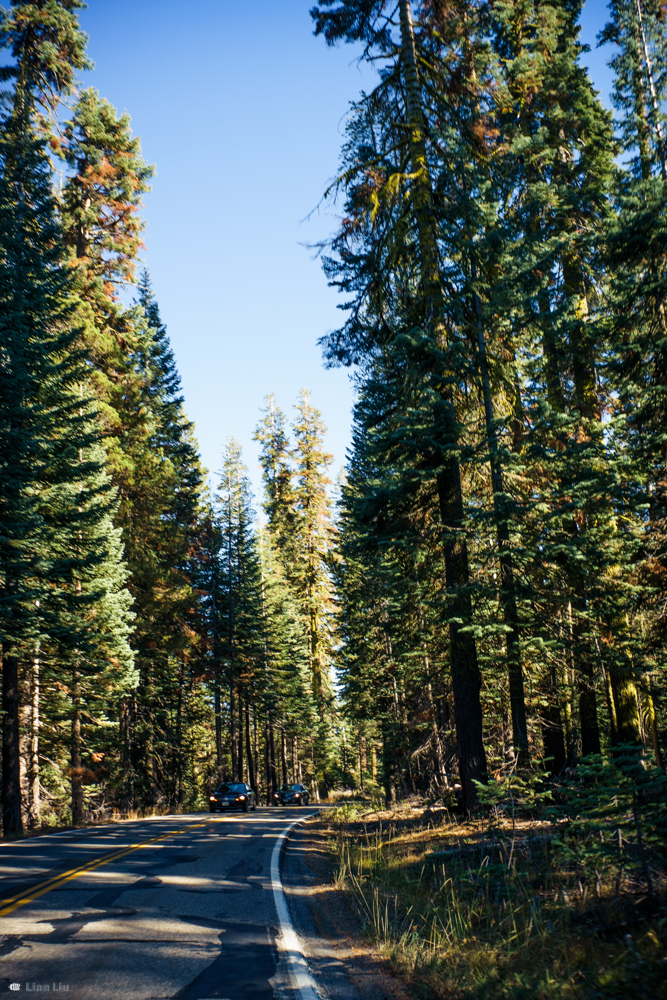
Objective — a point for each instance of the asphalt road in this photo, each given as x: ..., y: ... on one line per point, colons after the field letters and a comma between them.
x: 177, y: 907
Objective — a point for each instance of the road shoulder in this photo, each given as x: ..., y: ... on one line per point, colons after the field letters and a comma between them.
x: 344, y: 965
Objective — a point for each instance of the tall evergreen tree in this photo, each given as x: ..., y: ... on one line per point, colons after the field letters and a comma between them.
x: 438, y: 352
x: 239, y: 613
x: 309, y: 572
x: 62, y: 567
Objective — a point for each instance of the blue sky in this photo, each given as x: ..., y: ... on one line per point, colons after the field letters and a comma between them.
x: 242, y: 111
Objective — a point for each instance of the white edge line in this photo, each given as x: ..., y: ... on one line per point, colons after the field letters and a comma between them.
x: 288, y: 942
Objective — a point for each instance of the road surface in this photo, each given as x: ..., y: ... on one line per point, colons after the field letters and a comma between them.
x: 173, y: 907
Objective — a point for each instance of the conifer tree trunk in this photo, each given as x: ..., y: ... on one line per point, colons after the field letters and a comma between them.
x: 178, y: 763
x: 296, y: 766
x: 251, y: 764
x: 147, y: 704
x: 283, y: 756
x: 12, y: 824
x: 272, y: 784
x: 388, y: 757
x: 35, y: 793
x: 126, y: 752
x: 466, y: 676
x: 256, y: 750
x: 438, y: 760
x: 624, y: 693
x: 588, y: 714
x: 552, y: 724
x: 269, y: 752
x: 313, y: 641
x: 25, y: 735
x: 75, y: 753
x: 232, y: 732
x: 217, y: 708
x: 653, y: 722
x: 241, y: 737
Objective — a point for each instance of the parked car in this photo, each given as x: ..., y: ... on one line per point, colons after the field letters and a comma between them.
x: 232, y: 795
x: 292, y: 795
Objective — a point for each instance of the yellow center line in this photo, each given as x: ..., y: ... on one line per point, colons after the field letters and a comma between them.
x: 53, y: 883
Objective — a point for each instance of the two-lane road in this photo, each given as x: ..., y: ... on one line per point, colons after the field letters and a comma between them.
x: 176, y: 907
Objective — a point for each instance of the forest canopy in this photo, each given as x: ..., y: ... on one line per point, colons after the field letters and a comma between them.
x: 482, y: 590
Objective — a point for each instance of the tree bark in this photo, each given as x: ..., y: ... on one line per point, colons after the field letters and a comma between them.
x: 35, y: 792
x: 655, y: 735
x: 249, y: 754
x: 553, y: 736
x: 283, y: 756
x: 241, y: 736
x: 75, y: 753
x: 624, y: 693
x: 232, y: 732
x: 273, y: 772
x: 178, y: 762
x: 12, y: 824
x: 25, y: 740
x: 127, y: 800
x: 217, y: 708
x: 588, y: 717
x: 388, y: 766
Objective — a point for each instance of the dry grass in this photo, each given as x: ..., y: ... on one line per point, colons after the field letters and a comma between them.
x: 499, y: 914
x: 105, y: 819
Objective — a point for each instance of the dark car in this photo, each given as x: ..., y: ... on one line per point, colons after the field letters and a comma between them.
x: 232, y: 795
x: 293, y: 795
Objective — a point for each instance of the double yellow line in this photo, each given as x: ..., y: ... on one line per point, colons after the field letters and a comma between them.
x: 13, y: 903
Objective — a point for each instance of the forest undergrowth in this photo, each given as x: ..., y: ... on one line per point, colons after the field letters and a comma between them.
x: 550, y: 902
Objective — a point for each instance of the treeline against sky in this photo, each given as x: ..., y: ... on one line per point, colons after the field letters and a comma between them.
x: 153, y: 640
x: 485, y: 588
x: 502, y: 258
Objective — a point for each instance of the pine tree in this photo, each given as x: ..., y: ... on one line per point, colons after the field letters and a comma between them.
x: 89, y: 621
x: 239, y: 614
x: 277, y: 473
x: 160, y: 518
x: 287, y: 700
x: 62, y: 584
x: 439, y: 362
x: 100, y: 202
x: 102, y: 198
x: 309, y: 572
x: 150, y: 441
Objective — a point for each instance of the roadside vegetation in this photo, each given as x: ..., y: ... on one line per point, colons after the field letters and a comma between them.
x: 550, y: 892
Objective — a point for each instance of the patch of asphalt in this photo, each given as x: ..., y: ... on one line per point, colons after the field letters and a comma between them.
x: 343, y: 965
